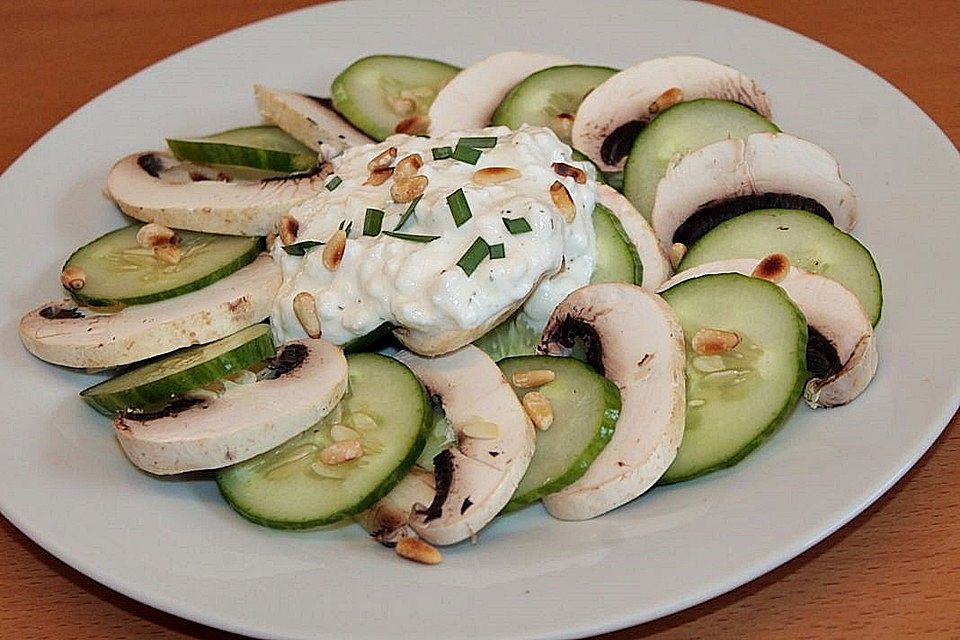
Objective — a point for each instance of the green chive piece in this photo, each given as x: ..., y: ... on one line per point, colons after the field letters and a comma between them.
x: 497, y: 251
x: 478, y: 142
x: 301, y: 248
x: 372, y: 222
x: 472, y: 258
x: 469, y: 155
x: 441, y: 153
x: 457, y: 201
x: 334, y: 183
x: 409, y: 212
x: 413, y: 237
x: 516, y: 225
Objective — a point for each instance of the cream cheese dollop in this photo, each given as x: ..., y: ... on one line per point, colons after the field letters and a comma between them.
x: 419, y: 284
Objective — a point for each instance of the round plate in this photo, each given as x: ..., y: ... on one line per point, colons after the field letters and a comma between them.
x: 173, y: 544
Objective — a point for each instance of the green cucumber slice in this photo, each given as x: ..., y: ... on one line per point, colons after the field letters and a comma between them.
x: 678, y: 130
x: 617, y: 257
x: 441, y: 437
x: 512, y: 337
x: 586, y: 407
x: 735, y: 400
x: 155, y: 384
x: 377, y: 93
x: 385, y: 408
x: 119, y: 272
x: 550, y: 97
x: 262, y: 147
x: 811, y: 243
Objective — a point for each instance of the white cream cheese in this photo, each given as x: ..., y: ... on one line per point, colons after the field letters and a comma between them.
x: 419, y: 285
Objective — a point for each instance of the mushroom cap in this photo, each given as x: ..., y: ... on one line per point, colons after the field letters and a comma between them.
x: 103, y: 340
x: 389, y: 519
x: 245, y: 421
x: 635, y: 94
x: 656, y: 265
x: 476, y: 477
x: 308, y: 120
x: 641, y: 350
x: 470, y: 98
x: 833, y: 311
x: 153, y: 187
x: 758, y: 164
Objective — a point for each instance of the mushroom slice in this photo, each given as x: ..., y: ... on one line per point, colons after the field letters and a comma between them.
x: 762, y: 171
x: 634, y: 339
x: 841, y: 350
x: 656, y: 265
x: 612, y: 115
x: 245, y: 421
x: 63, y: 333
x: 389, y: 519
x: 476, y: 477
x: 155, y: 187
x: 310, y: 120
x: 470, y: 98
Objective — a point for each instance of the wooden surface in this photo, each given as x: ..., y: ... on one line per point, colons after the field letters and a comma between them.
x: 893, y: 572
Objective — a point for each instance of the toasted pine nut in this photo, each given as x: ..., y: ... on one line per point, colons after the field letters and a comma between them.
x: 362, y: 421
x: 563, y: 125
x: 532, y: 378
x: 562, y: 201
x: 168, y: 254
x: 481, y: 430
x: 333, y: 250
x: 408, y: 166
x: 288, y: 229
x: 73, y: 278
x: 538, y: 409
x: 305, y: 308
x: 378, y: 176
x: 413, y: 125
x: 340, y: 452
x: 342, y: 432
x: 677, y: 251
x: 383, y: 159
x: 495, y: 175
x: 153, y: 235
x: 408, y: 189
x: 666, y: 99
x: 774, y: 268
x: 569, y: 171
x: 711, y: 342
x: 417, y: 550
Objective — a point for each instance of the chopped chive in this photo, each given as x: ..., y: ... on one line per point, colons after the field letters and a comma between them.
x: 409, y: 212
x: 517, y: 225
x: 413, y: 237
x: 372, y: 222
x: 497, y: 251
x: 441, y: 153
x: 468, y: 155
x: 474, y: 255
x: 334, y: 183
x: 478, y: 142
x: 301, y: 248
x: 457, y: 201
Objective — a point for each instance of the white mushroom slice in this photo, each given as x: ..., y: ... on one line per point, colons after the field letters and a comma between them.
x: 389, y: 519
x: 61, y: 333
x: 154, y: 187
x: 470, y: 98
x: 634, y: 338
x: 310, y: 120
x: 638, y: 93
x: 245, y: 421
x: 834, y: 312
x: 476, y: 477
x: 761, y: 163
x: 656, y: 264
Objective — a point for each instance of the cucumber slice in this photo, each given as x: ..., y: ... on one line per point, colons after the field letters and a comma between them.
x: 512, y: 337
x: 550, y: 97
x: 377, y: 93
x: 736, y: 399
x: 385, y: 408
x: 441, y: 437
x: 678, y: 130
x: 155, y: 384
x: 263, y: 147
x: 586, y: 407
x: 617, y: 257
x: 119, y: 272
x: 811, y: 243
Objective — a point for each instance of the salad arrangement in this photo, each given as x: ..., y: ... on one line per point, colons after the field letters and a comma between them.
x: 526, y: 280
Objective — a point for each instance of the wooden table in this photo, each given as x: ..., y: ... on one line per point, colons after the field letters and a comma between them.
x: 893, y: 572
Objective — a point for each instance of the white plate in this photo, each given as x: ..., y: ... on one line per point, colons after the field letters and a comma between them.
x: 175, y: 545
